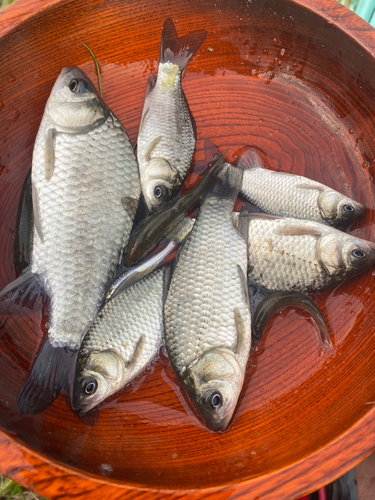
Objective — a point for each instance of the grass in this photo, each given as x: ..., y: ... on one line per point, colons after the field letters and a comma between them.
x: 350, y: 4
x: 5, y: 3
x: 9, y: 490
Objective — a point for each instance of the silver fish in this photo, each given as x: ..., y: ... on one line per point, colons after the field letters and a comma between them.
x: 284, y: 194
x: 119, y: 344
x: 292, y: 254
x: 166, y: 139
x: 85, y: 191
x: 131, y: 275
x: 206, y: 313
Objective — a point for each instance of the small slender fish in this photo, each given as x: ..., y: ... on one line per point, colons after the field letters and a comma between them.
x: 294, y: 254
x: 280, y: 300
x: 289, y: 195
x: 166, y: 139
x: 206, y: 313
x: 119, y: 344
x: 85, y: 192
x: 131, y: 275
x: 165, y: 221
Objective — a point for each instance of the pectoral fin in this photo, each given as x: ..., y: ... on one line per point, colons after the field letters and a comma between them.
x: 251, y: 158
x: 298, y: 231
x: 310, y: 186
x: 152, y: 145
x: 241, y: 330
x: 49, y: 153
x: 244, y: 288
x: 137, y: 353
x: 36, y: 212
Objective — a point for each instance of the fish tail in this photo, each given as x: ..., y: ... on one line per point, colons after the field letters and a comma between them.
x: 179, y: 50
x: 49, y: 374
x: 283, y: 299
x: 23, y: 290
x: 226, y: 182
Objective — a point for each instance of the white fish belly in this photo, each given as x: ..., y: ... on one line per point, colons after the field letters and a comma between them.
x: 206, y: 289
x: 279, y: 194
x: 83, y: 223
x: 134, y: 316
x: 285, y: 262
x: 167, y: 117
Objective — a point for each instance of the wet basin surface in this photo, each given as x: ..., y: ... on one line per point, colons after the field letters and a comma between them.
x: 272, y: 75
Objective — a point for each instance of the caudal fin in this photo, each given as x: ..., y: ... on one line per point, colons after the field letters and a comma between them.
x: 179, y: 50
x: 49, y: 374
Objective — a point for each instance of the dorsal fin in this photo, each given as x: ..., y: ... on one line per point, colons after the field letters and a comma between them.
x: 251, y: 158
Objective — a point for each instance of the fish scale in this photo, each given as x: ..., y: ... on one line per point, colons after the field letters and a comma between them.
x: 175, y: 127
x: 285, y: 193
x: 166, y: 138
x: 198, y: 315
x: 85, y: 192
x: 124, y: 319
x: 293, y: 254
x: 130, y: 327
x: 94, y: 229
x: 206, y: 313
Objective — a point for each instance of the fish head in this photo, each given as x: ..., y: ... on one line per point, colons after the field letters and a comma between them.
x: 358, y: 255
x: 214, y: 382
x: 337, y: 209
x: 161, y: 183
x: 342, y: 255
x: 98, y: 375
x: 74, y: 103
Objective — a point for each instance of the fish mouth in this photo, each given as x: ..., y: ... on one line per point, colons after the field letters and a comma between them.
x: 220, y: 426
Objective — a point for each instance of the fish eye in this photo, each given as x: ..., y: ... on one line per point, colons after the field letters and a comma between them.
x: 160, y: 191
x: 358, y: 254
x: 89, y: 385
x: 348, y: 208
x: 78, y: 86
x: 216, y: 400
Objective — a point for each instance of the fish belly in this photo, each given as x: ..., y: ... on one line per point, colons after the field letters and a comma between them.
x: 206, y: 288
x: 82, y: 221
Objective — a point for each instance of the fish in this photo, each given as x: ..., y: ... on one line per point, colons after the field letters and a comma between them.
x: 280, y: 300
x: 166, y: 139
x: 85, y: 192
x: 123, y: 339
x: 165, y: 220
x: 131, y: 275
x: 307, y: 256
x: 206, y: 312
x: 289, y: 195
